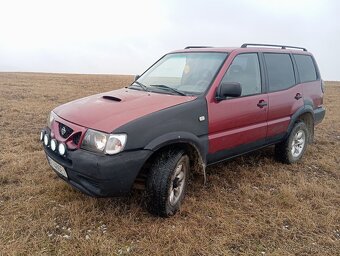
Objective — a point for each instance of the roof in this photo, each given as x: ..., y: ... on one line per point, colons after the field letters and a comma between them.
x: 246, y: 48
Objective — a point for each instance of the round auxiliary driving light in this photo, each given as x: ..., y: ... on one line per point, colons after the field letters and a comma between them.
x: 62, y: 149
x: 46, y: 139
x: 53, y: 144
x: 42, y: 133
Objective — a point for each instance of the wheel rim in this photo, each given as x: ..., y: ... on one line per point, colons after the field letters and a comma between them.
x: 298, y: 143
x: 178, y: 180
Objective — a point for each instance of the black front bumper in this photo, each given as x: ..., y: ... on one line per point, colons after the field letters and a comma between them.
x: 101, y: 175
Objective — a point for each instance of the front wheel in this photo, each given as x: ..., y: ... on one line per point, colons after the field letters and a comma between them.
x: 292, y: 149
x: 166, y: 183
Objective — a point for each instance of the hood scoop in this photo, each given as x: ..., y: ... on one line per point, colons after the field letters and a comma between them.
x: 111, y: 98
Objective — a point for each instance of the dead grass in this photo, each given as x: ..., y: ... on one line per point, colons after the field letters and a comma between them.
x: 250, y: 206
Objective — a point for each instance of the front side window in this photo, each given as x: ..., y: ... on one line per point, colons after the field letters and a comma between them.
x: 306, y: 68
x: 187, y: 73
x: 245, y: 69
x: 280, y: 71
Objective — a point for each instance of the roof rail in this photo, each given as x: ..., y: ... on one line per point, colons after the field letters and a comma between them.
x: 274, y: 45
x: 191, y: 47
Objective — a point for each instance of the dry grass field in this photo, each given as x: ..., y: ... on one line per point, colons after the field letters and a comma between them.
x: 251, y: 205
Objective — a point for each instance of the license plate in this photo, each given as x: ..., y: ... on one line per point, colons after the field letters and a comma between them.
x: 57, y: 167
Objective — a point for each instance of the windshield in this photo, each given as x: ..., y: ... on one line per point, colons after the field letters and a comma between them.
x: 182, y: 73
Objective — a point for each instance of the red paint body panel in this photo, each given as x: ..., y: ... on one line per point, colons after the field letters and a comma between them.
x: 239, y: 121
x: 282, y: 105
x: 232, y: 122
x: 312, y: 92
x: 76, y: 128
x: 106, y: 115
x: 235, y: 121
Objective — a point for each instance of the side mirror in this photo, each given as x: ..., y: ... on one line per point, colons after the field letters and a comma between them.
x: 136, y: 77
x: 228, y: 89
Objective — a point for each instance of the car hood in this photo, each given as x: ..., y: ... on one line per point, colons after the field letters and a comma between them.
x: 108, y: 111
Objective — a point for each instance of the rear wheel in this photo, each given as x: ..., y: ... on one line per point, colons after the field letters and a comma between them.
x: 166, y: 183
x: 292, y: 149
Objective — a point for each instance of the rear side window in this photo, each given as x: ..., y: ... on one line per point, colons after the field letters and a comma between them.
x: 306, y: 68
x: 280, y: 71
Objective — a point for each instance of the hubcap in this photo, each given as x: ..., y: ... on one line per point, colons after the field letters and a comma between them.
x: 178, y: 180
x: 298, y: 143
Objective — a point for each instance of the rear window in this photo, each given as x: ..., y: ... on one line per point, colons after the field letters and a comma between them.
x: 305, y: 67
x: 280, y: 71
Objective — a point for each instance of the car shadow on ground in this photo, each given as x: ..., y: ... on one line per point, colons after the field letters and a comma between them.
x: 227, y: 174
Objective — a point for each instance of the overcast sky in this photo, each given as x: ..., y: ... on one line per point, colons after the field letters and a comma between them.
x: 125, y: 37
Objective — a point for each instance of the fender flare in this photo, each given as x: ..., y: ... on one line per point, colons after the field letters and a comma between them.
x: 200, y: 144
x: 303, y: 110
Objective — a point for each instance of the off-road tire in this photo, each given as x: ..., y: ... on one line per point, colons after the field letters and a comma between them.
x: 283, y: 150
x: 159, y: 182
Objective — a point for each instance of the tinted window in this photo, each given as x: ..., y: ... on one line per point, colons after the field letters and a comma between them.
x: 305, y: 67
x: 245, y: 69
x: 280, y: 71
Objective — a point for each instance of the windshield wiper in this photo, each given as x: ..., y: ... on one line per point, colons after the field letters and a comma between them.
x: 162, y: 86
x: 141, y: 85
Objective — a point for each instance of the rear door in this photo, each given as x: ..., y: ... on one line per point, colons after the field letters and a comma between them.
x: 284, y: 94
x: 310, y: 79
x: 239, y: 124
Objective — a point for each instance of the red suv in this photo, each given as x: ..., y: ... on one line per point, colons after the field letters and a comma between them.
x: 191, y: 109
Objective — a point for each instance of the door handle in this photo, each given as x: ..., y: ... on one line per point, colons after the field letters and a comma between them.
x: 262, y: 104
x: 298, y: 96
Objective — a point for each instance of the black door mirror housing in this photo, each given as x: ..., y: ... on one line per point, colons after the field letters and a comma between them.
x: 228, y: 89
x: 136, y: 77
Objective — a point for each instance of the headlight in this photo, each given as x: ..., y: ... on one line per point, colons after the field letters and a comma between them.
x: 94, y: 141
x: 50, y: 119
x: 115, y: 144
x: 102, y: 142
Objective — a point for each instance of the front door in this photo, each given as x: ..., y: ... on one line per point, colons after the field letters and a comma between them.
x: 239, y: 124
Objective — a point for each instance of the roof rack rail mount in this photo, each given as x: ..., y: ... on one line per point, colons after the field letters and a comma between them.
x: 274, y: 45
x: 191, y: 47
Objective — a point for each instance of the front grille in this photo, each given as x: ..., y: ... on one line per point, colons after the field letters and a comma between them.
x: 76, y: 138
x: 64, y: 131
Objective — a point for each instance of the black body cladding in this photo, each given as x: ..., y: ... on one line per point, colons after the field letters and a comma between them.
x: 186, y: 122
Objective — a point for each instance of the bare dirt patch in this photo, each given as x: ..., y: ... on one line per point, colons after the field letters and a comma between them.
x: 251, y: 205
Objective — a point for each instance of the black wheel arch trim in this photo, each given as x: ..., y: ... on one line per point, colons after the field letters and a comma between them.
x: 307, y: 108
x: 199, y: 143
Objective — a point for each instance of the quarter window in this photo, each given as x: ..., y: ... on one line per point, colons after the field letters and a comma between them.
x: 245, y: 69
x: 306, y: 68
x: 280, y: 71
